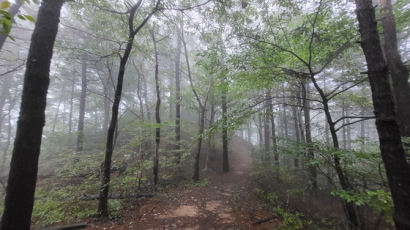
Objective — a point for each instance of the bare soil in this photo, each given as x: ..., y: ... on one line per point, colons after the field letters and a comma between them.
x: 226, y: 202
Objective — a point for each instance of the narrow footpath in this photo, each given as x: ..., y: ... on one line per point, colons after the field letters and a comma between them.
x: 226, y: 202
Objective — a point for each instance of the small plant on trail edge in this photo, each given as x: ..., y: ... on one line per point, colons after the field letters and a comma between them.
x: 379, y: 200
x: 202, y: 183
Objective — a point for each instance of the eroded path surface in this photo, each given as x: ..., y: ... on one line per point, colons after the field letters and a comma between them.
x: 226, y: 202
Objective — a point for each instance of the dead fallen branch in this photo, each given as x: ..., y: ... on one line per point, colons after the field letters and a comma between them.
x: 264, y: 220
x: 66, y: 227
x: 117, y: 196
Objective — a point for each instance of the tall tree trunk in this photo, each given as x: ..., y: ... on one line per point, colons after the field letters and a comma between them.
x: 157, y: 115
x: 297, y: 133
x: 266, y: 128
x: 348, y: 131
x: 362, y: 128
x: 178, y: 95
x: 393, y: 155
x: 108, y: 88
x: 285, y: 117
x: 211, y: 121
x: 260, y: 131
x: 80, y: 131
x: 350, y: 210
x: 398, y: 71
x: 144, y: 80
x: 344, y: 138
x: 12, y: 102
x: 273, y: 127
x: 310, y: 152
x: 24, y: 163
x: 103, y: 198
x: 53, y: 129
x: 249, y: 133
x: 70, y: 116
x: 105, y: 180
x: 3, y: 96
x: 225, y: 158
x: 202, y: 110
x: 13, y: 10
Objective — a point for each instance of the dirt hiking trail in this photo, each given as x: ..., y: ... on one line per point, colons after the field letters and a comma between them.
x: 226, y: 202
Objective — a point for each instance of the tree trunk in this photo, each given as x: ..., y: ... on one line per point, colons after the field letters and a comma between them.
x: 202, y: 109
x: 53, y: 129
x: 9, y: 129
x: 13, y: 10
x: 24, y: 163
x: 199, y: 146
x: 266, y: 131
x: 4, y: 94
x: 80, y: 131
x: 260, y: 131
x: 178, y: 96
x: 225, y: 158
x: 285, y: 117
x: 107, y: 96
x: 362, y: 129
x: 102, y: 204
x: 70, y: 116
x: 351, y: 214
x: 310, y: 152
x: 144, y: 79
x: 105, y: 180
x: 211, y: 121
x: 157, y: 115
x: 393, y: 155
x: 297, y: 133
x: 398, y: 71
x: 273, y: 128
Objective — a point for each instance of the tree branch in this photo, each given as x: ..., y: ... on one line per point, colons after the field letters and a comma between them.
x: 351, y: 123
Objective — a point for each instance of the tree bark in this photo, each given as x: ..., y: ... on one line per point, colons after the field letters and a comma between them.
x: 225, y: 158
x: 178, y: 95
x: 70, y: 116
x: 80, y: 130
x: 260, y: 131
x: 393, y: 155
x: 273, y: 128
x: 310, y: 152
x: 24, y: 163
x: 157, y: 115
x: 3, y: 96
x: 266, y: 131
x: 297, y: 133
x: 398, y: 71
x: 108, y: 88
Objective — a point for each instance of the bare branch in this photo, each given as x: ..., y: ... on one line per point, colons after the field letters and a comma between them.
x: 189, y: 7
x: 353, y: 117
x: 351, y: 123
x: 330, y: 96
x: 12, y: 70
x: 280, y: 48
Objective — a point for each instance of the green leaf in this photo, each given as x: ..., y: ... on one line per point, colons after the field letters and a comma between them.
x: 5, y: 5
x: 21, y: 17
x: 28, y: 17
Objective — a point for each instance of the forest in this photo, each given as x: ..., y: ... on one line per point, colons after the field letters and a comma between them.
x: 205, y: 114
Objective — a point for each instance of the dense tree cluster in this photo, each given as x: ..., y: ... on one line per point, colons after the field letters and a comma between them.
x: 124, y: 97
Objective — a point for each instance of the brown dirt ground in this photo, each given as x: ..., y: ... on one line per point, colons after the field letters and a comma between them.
x: 227, y: 202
